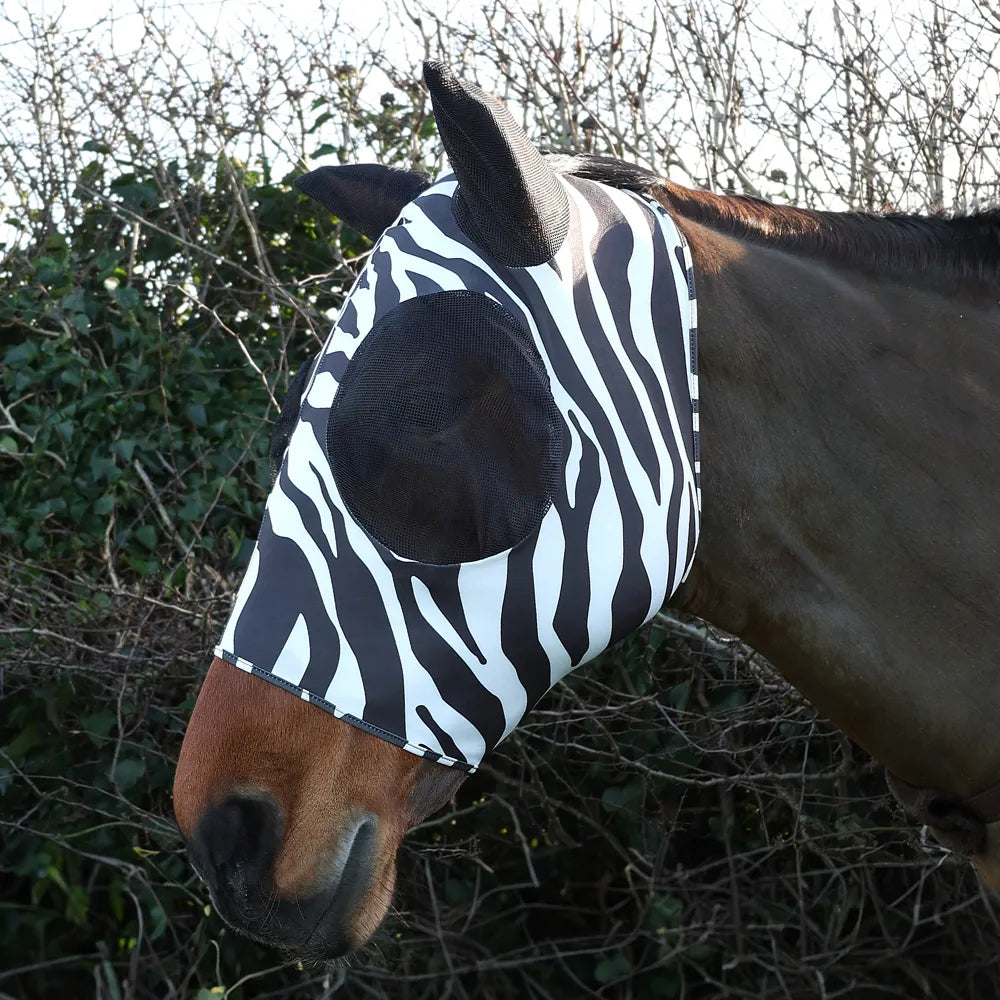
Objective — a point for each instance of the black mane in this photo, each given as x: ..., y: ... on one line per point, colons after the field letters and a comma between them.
x: 605, y: 170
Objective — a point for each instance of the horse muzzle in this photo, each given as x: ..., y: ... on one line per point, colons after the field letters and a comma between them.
x: 233, y: 850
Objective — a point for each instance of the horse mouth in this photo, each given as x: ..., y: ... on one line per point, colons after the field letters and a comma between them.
x: 330, y: 937
x: 312, y: 927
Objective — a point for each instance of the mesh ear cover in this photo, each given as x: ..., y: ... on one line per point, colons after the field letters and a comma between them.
x: 367, y: 196
x: 509, y: 200
x: 444, y: 439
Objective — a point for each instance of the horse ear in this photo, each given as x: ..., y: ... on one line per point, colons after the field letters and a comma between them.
x: 367, y: 196
x: 509, y: 199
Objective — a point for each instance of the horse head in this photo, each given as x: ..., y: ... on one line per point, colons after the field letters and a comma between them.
x: 487, y: 476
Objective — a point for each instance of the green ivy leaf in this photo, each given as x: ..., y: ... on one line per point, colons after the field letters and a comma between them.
x: 618, y: 797
x: 128, y: 771
x: 664, y: 912
x: 125, y: 447
x: 26, y: 351
x: 196, y: 414
x: 679, y: 694
x: 616, y: 967
x: 146, y: 534
x: 127, y: 297
x: 98, y: 726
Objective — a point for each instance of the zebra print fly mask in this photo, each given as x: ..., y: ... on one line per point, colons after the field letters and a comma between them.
x: 389, y: 584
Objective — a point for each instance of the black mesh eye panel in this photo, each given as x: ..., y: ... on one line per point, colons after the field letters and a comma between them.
x: 444, y: 438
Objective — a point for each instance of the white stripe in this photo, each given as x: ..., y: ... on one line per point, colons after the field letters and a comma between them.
x: 481, y: 588
x: 547, y: 568
x: 242, y: 596
x: 683, y: 522
x: 555, y: 292
x: 498, y: 678
x: 419, y: 687
x: 294, y: 654
x: 656, y: 556
x: 323, y: 390
x: 346, y: 689
x: 605, y: 557
x: 575, y: 456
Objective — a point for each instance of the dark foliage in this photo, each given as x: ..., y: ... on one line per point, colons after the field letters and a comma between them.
x: 672, y: 823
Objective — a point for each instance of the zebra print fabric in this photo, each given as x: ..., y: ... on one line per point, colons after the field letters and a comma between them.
x: 445, y: 660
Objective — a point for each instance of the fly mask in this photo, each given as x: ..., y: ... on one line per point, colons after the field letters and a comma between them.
x: 493, y: 474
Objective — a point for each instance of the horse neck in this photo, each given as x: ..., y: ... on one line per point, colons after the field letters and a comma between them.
x: 850, y: 433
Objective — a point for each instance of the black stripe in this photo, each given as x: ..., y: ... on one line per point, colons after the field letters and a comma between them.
x: 317, y: 418
x: 386, y: 290
x: 519, y: 622
x: 687, y: 271
x: 442, y: 582
x: 264, y: 624
x: 470, y: 274
x: 449, y: 746
x: 423, y: 285
x: 663, y: 302
x: 323, y: 657
x: 570, y: 618
x: 633, y: 581
x: 692, y: 524
x: 673, y: 519
x: 347, y: 321
x: 367, y: 631
x: 336, y: 363
x: 438, y: 209
x: 612, y: 256
x: 456, y: 682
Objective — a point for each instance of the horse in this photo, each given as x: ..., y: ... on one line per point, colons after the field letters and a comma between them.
x: 847, y: 430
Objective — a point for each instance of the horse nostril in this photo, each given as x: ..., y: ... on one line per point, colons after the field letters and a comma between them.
x: 238, y: 837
